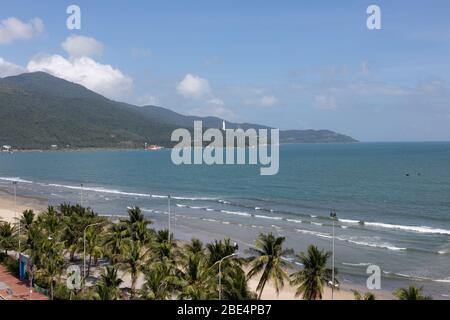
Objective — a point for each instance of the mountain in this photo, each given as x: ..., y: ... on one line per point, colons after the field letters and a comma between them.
x: 38, y: 110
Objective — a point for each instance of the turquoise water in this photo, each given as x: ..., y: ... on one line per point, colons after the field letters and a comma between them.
x: 400, y: 191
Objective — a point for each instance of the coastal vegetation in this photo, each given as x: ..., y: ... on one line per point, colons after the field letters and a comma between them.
x: 127, y: 259
x: 84, y: 119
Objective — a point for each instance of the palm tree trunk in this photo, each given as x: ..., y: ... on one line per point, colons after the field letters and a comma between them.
x: 133, y: 284
x: 72, y: 255
x: 262, y: 289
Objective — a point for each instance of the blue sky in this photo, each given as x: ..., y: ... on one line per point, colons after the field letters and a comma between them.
x: 288, y: 64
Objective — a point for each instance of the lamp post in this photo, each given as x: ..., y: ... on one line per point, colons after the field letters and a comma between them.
x: 333, y: 216
x: 84, y: 246
x: 220, y: 272
x: 168, y: 204
x: 81, y: 195
x: 15, y: 208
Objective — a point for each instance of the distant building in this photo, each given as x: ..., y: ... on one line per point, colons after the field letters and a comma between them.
x: 6, y: 148
x: 54, y: 146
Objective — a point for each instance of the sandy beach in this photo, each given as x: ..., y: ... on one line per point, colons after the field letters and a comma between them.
x: 8, y: 213
x: 7, y: 206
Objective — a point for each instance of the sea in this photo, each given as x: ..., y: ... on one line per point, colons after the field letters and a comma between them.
x: 392, y: 201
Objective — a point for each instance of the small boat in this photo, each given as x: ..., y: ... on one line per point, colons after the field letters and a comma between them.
x: 154, y: 147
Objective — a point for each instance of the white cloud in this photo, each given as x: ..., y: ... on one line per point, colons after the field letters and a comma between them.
x: 193, y: 86
x: 81, y: 46
x: 148, y: 100
x: 325, y: 102
x: 14, y: 29
x: 264, y: 101
x: 101, y: 78
x: 9, y: 69
x: 268, y: 101
x: 216, y: 102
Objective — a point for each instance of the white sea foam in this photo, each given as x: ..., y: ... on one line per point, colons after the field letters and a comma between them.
x: 348, y: 221
x: 192, y: 198
x: 268, y: 217
x: 316, y: 223
x: 181, y: 205
x: 372, y: 244
x: 15, y: 179
x: 361, y: 264
x: 422, y: 229
x: 238, y: 213
x: 447, y: 280
x: 315, y: 233
x: 158, y: 196
x: 100, y: 190
x: 294, y: 220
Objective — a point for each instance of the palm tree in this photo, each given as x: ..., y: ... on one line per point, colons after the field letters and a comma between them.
x: 52, y: 262
x: 51, y: 221
x: 196, y: 280
x: 219, y: 250
x: 76, y: 218
x: 27, y: 219
x: 93, y: 245
x: 160, y: 281
x: 135, y: 261
x: 411, y: 293
x: 314, y: 275
x: 137, y: 225
x: 108, y: 286
x: 7, y: 237
x: 235, y: 286
x: 115, y: 241
x: 365, y: 296
x: 195, y: 246
x: 268, y: 259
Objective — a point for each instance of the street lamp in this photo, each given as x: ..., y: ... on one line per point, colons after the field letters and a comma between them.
x: 333, y: 216
x: 84, y: 245
x: 168, y: 204
x: 15, y: 208
x: 220, y: 272
x: 81, y: 195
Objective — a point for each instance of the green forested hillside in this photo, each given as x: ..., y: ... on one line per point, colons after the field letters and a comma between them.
x: 38, y: 110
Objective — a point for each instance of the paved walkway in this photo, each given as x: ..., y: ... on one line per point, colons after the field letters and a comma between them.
x: 11, y: 288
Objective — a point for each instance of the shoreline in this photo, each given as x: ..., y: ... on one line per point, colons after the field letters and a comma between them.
x: 7, y: 214
x: 81, y: 149
x: 7, y: 210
